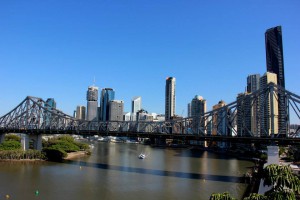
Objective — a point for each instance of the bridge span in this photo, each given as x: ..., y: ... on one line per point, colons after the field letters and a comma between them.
x: 252, y: 118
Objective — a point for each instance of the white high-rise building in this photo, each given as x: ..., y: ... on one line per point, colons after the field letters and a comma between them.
x: 92, y: 103
x: 170, y: 98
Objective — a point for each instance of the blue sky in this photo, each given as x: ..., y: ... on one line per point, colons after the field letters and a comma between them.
x: 55, y: 48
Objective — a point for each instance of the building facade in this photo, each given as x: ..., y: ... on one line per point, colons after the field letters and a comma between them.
x: 92, y: 103
x: 107, y: 95
x: 80, y: 112
x: 268, y: 107
x: 115, y: 110
x: 170, y: 98
x: 50, y: 105
x: 275, y: 64
x: 198, y: 108
x: 252, y: 86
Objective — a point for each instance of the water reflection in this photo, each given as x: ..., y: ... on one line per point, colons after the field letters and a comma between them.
x: 233, y: 179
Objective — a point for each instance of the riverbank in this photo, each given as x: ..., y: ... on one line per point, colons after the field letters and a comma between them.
x: 76, y: 154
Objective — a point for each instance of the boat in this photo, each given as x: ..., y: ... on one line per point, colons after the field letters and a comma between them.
x: 142, y: 156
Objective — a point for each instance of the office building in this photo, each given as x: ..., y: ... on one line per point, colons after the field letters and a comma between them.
x: 198, y: 108
x: 253, y: 83
x: 80, y: 112
x: 92, y: 103
x: 136, y: 104
x: 268, y: 113
x: 50, y: 105
x: 219, y: 123
x: 275, y: 64
x: 252, y: 86
x: 107, y: 95
x: 170, y: 98
x: 189, y: 110
x: 243, y: 115
x: 115, y: 110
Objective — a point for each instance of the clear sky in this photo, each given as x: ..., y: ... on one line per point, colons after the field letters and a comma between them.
x: 55, y: 48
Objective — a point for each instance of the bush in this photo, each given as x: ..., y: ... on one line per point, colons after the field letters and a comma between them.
x: 12, y: 137
x: 54, y: 154
x: 10, y: 145
x: 20, y: 154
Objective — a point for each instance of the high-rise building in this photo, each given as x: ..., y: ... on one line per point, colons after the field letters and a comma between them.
x: 189, y: 110
x: 136, y: 104
x: 115, y: 110
x: 253, y: 83
x: 252, y: 86
x: 80, y: 112
x: 275, y: 64
x: 198, y: 108
x: 268, y: 113
x: 49, y: 105
x: 170, y: 98
x: 274, y: 53
x: 243, y: 115
x: 92, y: 103
x: 107, y: 95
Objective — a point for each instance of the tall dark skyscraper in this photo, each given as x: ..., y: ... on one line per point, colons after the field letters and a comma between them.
x: 170, y: 98
x: 275, y: 64
x: 274, y: 53
x: 107, y: 95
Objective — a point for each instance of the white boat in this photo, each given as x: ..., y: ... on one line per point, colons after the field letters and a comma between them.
x: 142, y: 156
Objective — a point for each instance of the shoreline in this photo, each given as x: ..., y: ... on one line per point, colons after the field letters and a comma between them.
x: 76, y: 154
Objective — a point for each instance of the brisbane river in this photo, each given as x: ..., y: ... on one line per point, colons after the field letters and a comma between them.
x: 113, y: 171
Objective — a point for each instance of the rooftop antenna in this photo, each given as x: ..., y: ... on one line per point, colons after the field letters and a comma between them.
x: 94, y: 81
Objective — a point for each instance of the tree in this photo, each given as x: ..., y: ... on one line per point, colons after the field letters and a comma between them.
x: 284, y: 183
x: 254, y: 196
x: 221, y: 196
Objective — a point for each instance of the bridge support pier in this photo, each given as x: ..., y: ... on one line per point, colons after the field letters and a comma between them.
x: 31, y: 142
x: 273, y: 155
x: 2, y: 137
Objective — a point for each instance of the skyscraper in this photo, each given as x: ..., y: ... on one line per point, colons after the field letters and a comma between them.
x: 170, y: 98
x: 136, y: 104
x: 252, y: 86
x: 50, y: 105
x: 275, y: 64
x: 198, y: 108
x: 80, y: 112
x: 115, y: 111
x: 274, y: 53
x: 107, y: 95
x: 92, y: 103
x: 268, y: 113
x: 253, y: 82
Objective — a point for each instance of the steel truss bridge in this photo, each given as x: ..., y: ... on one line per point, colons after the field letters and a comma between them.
x: 231, y: 122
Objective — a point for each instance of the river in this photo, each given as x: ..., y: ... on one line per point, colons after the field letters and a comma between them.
x: 113, y: 171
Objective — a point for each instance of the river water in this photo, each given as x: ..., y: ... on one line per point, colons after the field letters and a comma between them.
x: 113, y: 171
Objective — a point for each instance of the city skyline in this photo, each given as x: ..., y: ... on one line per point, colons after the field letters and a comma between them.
x: 55, y: 51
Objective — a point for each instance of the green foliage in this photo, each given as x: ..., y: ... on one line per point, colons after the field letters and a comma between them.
x: 20, y: 154
x: 57, y: 148
x: 254, y: 196
x: 10, y: 145
x: 285, y: 194
x: 54, y: 154
x: 284, y: 183
x: 221, y: 196
x: 263, y: 157
x: 12, y: 137
x: 65, y: 146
